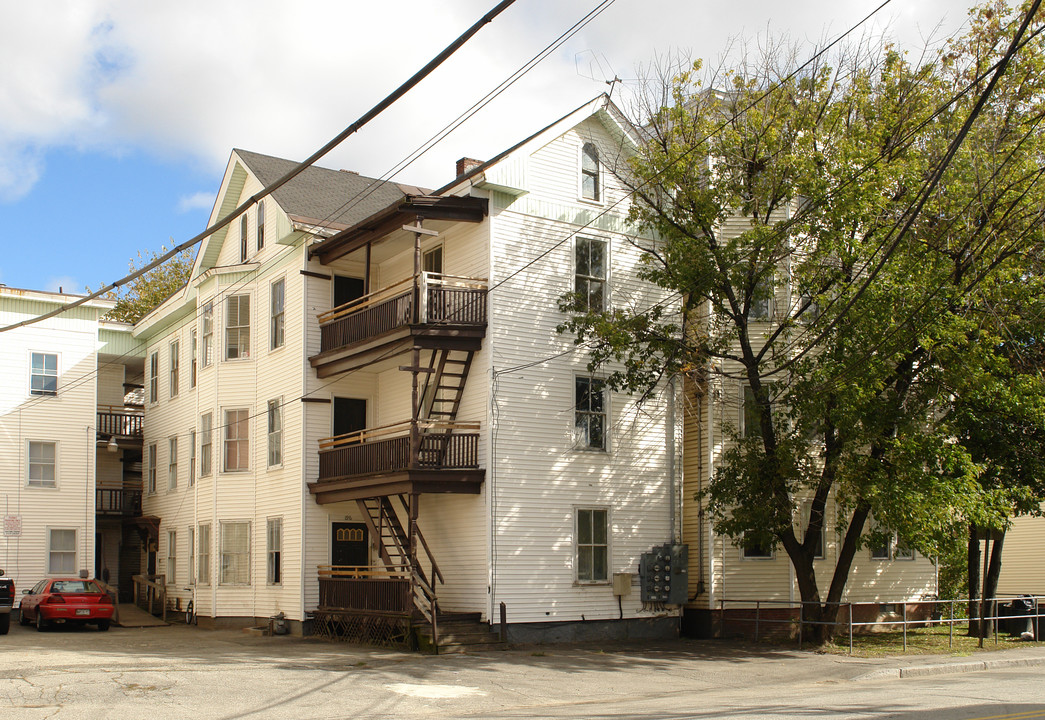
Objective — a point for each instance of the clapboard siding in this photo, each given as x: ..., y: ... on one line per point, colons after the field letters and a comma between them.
x: 1022, y: 567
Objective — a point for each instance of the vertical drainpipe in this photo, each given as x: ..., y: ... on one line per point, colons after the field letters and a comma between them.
x: 669, y: 446
x: 709, y: 394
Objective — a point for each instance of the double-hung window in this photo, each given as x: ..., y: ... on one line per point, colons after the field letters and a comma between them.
x: 61, y: 551
x: 175, y: 359
x: 43, y: 373
x: 591, y: 180
x: 150, y: 462
x: 207, y: 320
x: 192, y: 458
x: 277, y: 329
x: 172, y: 463
x: 203, y: 550
x: 237, y: 441
x: 235, y: 553
x: 592, y: 545
x: 154, y: 377
x: 243, y: 238
x: 260, y: 225
x: 206, y: 443
x: 172, y: 557
x: 43, y: 464
x: 752, y: 548
x: 237, y: 327
x: 590, y: 413
x: 194, y: 363
x: 818, y: 541
x: 275, y: 431
x: 589, y: 282
x: 274, y: 551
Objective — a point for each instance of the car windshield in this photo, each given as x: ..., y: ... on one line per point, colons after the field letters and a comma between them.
x: 75, y: 586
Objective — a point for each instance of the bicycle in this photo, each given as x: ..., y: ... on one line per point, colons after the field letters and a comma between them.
x: 190, y: 613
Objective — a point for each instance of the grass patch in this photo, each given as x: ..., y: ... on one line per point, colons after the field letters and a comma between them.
x: 921, y: 641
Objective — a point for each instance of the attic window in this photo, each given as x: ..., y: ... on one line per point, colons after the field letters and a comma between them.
x: 261, y: 225
x: 243, y: 239
x: 591, y: 188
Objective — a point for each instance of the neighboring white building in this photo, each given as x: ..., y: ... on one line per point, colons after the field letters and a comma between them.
x: 61, y: 402
x: 363, y: 378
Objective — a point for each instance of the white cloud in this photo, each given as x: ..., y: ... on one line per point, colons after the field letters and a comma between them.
x: 196, y: 201
x: 193, y: 79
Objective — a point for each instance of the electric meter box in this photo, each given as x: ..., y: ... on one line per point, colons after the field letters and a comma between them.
x: 664, y: 574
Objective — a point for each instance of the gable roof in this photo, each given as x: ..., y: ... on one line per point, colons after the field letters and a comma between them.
x: 320, y: 194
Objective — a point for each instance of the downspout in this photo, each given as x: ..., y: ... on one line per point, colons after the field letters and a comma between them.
x: 669, y: 446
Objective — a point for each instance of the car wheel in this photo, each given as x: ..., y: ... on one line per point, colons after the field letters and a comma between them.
x: 5, y: 623
x: 103, y: 625
x: 41, y: 624
x: 23, y: 619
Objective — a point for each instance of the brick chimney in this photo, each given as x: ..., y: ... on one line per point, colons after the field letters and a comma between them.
x: 466, y: 165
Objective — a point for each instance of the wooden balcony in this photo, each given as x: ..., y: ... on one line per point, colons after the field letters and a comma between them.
x: 121, y: 502
x: 366, y: 589
x: 404, y: 458
x: 430, y: 310
x: 120, y: 421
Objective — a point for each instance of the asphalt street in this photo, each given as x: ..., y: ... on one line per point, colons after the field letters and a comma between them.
x: 181, y: 672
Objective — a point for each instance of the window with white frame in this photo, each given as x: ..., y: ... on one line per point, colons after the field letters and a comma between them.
x: 175, y: 359
x: 882, y: 548
x: 150, y: 464
x: 261, y: 225
x: 243, y: 238
x: 275, y: 431
x: 277, y: 326
x: 274, y: 551
x: 43, y: 373
x: 750, y: 413
x: 172, y: 557
x: 432, y: 260
x: 591, y: 178
x: 590, y: 413
x: 237, y: 327
x: 206, y: 443
x: 589, y: 281
x: 753, y: 548
x: 61, y: 551
x: 235, y: 553
x: 172, y: 463
x: 192, y: 458
x: 593, y: 548
x: 903, y: 551
x: 154, y: 377
x: 819, y: 542
x: 237, y: 441
x: 43, y: 464
x: 203, y: 554
x: 207, y: 321
x: 193, y: 367
x: 761, y: 307
x: 192, y: 556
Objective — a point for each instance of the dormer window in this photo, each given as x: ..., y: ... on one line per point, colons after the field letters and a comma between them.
x: 243, y: 239
x: 261, y: 225
x: 591, y: 186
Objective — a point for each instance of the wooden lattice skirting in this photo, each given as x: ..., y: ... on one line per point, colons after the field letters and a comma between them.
x: 366, y: 628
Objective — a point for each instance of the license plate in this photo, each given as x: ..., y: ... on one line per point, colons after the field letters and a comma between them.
x: 83, y: 611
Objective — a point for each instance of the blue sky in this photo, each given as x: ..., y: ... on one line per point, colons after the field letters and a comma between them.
x: 119, y: 116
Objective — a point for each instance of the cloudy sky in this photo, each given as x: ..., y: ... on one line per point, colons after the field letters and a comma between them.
x: 117, y: 116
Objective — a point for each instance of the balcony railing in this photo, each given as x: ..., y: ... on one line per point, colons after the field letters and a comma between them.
x: 442, y: 300
x: 120, y: 421
x: 386, y: 449
x: 118, y: 501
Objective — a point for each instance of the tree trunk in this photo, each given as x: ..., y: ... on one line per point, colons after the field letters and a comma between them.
x: 974, y: 581
x: 990, y: 582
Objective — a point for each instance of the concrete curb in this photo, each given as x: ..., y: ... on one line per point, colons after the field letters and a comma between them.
x: 950, y: 668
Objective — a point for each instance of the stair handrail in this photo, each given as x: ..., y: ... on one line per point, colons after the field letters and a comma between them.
x: 436, y: 572
x: 365, y: 301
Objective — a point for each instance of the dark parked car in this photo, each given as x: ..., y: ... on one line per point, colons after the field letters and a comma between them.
x: 66, y: 601
x: 7, y: 601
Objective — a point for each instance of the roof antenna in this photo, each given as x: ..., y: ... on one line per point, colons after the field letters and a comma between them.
x: 595, y: 70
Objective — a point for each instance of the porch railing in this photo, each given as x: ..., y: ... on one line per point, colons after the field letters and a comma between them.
x: 378, y: 589
x: 118, y: 501
x: 120, y: 421
x: 388, y: 448
x: 443, y: 300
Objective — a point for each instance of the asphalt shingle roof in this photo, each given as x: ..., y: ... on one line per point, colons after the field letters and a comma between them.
x: 321, y: 194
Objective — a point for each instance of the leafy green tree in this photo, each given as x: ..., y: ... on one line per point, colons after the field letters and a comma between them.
x: 149, y: 290
x: 831, y: 250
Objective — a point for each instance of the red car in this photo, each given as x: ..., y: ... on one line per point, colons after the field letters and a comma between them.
x: 66, y: 600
